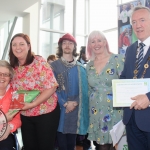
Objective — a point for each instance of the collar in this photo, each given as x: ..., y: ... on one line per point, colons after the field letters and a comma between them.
x: 67, y: 64
x: 146, y: 42
x: 82, y: 61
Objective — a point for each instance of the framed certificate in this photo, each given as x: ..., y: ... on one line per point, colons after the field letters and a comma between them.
x: 124, y: 89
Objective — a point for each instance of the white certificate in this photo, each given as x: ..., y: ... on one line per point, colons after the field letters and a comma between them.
x: 124, y: 89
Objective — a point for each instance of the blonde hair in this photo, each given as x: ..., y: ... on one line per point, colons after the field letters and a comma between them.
x: 89, y: 52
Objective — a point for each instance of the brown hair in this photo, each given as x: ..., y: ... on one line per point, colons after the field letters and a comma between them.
x: 51, y: 57
x: 13, y: 59
x: 89, y: 52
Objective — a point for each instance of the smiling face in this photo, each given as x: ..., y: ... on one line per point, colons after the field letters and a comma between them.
x: 20, y: 48
x: 97, y: 45
x: 4, y: 77
x: 141, y: 24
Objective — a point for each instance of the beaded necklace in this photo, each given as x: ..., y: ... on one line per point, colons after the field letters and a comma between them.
x: 146, y: 65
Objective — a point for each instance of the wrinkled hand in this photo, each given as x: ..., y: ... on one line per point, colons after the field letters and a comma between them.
x: 10, y: 115
x: 28, y: 106
x: 141, y: 102
x: 6, y: 133
x: 71, y: 106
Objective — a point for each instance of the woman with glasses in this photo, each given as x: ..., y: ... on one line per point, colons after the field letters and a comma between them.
x: 7, y: 141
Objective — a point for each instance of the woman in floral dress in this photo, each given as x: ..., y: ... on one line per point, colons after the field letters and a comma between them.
x: 39, y: 118
x: 102, y: 68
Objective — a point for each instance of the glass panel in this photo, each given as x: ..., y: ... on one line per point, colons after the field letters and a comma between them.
x: 1, y: 42
x: 57, y: 15
x: 17, y: 29
x: 48, y: 43
x: 112, y: 38
x: 80, y: 42
x: 103, y: 14
x: 137, y: 2
x: 80, y: 22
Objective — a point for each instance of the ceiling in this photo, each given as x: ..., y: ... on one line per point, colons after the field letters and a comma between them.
x: 11, y: 8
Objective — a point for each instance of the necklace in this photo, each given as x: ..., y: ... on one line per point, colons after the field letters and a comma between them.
x: 146, y: 65
x: 68, y: 64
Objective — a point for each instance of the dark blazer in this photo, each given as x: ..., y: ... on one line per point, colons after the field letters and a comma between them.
x: 142, y: 117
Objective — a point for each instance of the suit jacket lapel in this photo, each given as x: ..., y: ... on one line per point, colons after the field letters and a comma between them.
x: 134, y: 50
x: 141, y: 69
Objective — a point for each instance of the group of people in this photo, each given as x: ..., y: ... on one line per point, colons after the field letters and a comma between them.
x: 76, y: 99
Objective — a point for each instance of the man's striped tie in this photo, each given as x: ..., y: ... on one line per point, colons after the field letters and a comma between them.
x: 140, y: 56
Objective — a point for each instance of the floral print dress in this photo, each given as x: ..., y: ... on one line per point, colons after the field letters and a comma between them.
x: 36, y: 76
x: 102, y: 114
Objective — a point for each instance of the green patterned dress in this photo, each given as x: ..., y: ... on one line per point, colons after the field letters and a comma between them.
x: 102, y: 114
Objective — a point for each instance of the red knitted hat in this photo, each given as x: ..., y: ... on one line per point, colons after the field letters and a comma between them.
x: 69, y: 37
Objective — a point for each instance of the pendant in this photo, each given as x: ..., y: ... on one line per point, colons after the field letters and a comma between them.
x: 135, y: 71
x: 63, y: 87
x: 134, y: 77
x: 146, y: 66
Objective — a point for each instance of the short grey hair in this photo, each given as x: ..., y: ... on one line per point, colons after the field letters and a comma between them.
x: 4, y: 63
x: 140, y: 7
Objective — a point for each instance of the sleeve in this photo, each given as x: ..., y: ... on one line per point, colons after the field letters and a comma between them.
x: 123, y: 73
x: 60, y: 94
x: 62, y: 98
x: 47, y: 78
x: 15, y: 122
x: 87, y: 72
x: 120, y: 64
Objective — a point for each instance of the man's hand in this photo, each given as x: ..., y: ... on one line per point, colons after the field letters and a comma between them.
x: 141, y: 102
x: 71, y: 105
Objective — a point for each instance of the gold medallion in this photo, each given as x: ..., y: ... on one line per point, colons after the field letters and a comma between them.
x: 135, y: 71
x: 146, y: 66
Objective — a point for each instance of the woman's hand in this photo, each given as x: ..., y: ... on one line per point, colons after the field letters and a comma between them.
x: 6, y: 133
x: 10, y: 115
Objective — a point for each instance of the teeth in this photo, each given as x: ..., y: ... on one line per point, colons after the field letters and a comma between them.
x: 1, y: 81
x: 18, y: 51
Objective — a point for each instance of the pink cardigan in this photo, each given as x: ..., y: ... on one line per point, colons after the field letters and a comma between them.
x: 4, y: 105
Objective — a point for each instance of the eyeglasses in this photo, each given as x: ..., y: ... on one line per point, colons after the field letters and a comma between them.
x: 4, y: 74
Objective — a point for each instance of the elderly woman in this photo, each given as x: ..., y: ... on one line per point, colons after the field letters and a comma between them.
x: 41, y: 117
x: 102, y: 68
x: 7, y: 141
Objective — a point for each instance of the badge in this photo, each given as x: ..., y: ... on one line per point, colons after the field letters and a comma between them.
x: 146, y: 66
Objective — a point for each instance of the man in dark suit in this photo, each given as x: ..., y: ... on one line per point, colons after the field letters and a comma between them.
x: 137, y: 117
